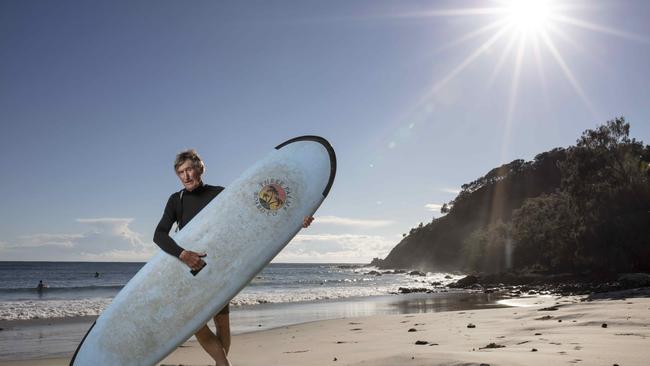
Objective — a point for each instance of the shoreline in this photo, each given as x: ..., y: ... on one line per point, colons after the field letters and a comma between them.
x: 541, y: 331
x: 58, y: 337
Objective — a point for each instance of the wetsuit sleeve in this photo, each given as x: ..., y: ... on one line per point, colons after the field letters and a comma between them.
x: 161, y: 235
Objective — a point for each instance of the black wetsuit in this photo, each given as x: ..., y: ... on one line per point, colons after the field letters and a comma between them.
x: 182, y: 213
x: 193, y: 202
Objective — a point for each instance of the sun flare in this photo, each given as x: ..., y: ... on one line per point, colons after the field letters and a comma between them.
x: 519, y: 37
x: 529, y: 16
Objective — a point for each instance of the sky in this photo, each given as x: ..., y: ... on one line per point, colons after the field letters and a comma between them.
x: 416, y: 97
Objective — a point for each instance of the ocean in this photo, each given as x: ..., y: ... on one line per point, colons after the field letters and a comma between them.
x: 74, y: 289
x: 50, y: 323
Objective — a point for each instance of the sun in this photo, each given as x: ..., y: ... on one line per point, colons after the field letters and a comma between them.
x: 528, y: 16
x: 529, y: 36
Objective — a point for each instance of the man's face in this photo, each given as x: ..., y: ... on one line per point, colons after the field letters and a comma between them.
x: 189, y: 175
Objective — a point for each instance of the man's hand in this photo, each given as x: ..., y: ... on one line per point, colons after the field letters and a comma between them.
x: 307, y: 221
x: 192, y: 259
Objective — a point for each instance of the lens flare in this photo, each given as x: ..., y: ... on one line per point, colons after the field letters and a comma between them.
x: 529, y: 16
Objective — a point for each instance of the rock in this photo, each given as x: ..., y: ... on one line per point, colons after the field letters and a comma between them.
x: 604, y: 325
x: 407, y: 290
x: 347, y: 266
x: 632, y: 280
x: 470, y: 325
x: 374, y: 273
x: 550, y: 308
x: 533, y: 350
x: 465, y: 282
x: 493, y: 345
x: 413, y: 330
x: 421, y: 343
x: 417, y: 273
x: 448, y: 277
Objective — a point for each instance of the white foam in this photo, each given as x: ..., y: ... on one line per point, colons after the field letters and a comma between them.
x: 356, y: 286
x: 15, y: 310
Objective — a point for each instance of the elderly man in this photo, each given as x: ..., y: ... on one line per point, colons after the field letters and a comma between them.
x: 181, y: 208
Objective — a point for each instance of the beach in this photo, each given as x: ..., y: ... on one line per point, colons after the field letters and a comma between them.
x: 538, y: 330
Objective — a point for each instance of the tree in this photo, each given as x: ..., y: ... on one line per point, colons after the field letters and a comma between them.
x: 485, y: 249
x: 545, y: 230
x: 606, y: 178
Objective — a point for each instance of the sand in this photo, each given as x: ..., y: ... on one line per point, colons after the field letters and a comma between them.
x: 548, y: 331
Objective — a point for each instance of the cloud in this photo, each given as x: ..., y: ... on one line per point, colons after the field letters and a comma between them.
x: 39, y: 240
x: 112, y: 239
x: 109, y: 234
x: 433, y: 206
x: 344, y: 221
x: 105, y: 239
x: 336, y: 248
x: 450, y: 190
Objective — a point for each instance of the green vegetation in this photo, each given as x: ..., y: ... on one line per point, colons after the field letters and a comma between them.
x: 581, y: 209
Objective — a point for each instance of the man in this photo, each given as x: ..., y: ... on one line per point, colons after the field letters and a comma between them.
x: 181, y: 208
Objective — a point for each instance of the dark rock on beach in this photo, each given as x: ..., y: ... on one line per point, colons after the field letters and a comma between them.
x: 493, y: 345
x: 465, y: 282
x: 417, y: 273
x: 565, y: 284
x: 408, y: 290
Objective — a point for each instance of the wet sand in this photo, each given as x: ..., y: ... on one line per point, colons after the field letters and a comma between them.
x: 59, y: 337
x: 548, y: 331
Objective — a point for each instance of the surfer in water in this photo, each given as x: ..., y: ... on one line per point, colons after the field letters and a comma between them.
x: 180, y: 209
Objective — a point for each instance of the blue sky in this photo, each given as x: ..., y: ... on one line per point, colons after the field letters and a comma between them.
x: 417, y: 98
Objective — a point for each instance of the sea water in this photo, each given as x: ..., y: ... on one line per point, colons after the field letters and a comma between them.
x: 74, y: 289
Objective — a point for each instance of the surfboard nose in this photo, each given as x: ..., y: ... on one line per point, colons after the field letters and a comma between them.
x: 330, y: 152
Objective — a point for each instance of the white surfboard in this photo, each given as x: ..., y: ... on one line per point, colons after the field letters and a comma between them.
x: 241, y: 230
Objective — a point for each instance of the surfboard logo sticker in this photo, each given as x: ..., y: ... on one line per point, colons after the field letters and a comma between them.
x: 273, y: 196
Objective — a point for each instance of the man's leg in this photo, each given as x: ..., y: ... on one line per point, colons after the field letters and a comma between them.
x: 222, y: 323
x: 212, y: 345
